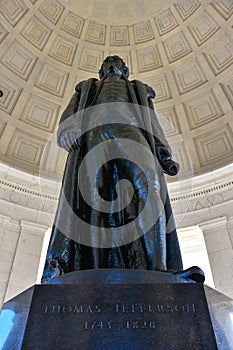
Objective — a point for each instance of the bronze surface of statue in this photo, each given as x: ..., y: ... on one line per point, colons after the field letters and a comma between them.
x: 140, y: 234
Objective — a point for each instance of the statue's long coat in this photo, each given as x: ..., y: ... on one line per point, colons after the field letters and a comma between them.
x: 65, y: 254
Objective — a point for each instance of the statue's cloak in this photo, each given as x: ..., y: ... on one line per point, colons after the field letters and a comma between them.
x: 65, y: 252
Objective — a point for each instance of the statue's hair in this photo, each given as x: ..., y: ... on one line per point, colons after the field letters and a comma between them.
x: 125, y: 68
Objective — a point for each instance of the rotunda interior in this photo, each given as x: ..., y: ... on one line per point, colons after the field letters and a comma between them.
x: 182, y: 49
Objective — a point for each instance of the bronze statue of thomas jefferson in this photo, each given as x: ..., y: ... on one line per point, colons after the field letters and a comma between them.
x: 114, y: 111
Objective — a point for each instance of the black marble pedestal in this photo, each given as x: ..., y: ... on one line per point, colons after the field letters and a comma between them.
x: 119, y: 310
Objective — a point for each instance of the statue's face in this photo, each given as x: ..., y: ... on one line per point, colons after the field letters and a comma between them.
x: 113, y: 66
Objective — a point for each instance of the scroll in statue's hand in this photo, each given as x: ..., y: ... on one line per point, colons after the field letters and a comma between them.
x: 168, y: 165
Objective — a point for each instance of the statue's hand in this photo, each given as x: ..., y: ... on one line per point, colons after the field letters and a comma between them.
x: 162, y: 153
x: 68, y: 140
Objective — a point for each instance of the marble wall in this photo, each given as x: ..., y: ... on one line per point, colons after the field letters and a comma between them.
x: 207, y: 201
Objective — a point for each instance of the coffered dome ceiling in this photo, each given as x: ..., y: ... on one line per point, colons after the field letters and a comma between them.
x: 183, y: 49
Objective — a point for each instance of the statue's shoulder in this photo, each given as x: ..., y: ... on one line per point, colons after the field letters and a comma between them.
x: 81, y: 84
x: 150, y: 93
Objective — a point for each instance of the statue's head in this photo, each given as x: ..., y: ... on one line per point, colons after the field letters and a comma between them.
x: 113, y: 65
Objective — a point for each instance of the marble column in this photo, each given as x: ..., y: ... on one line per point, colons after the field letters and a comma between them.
x: 27, y: 258
x: 220, y: 252
x: 9, y: 235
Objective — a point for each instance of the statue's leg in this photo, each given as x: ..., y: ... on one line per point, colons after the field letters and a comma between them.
x: 154, y: 239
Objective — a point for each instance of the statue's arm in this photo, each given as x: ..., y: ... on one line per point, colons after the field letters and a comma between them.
x: 163, y: 150
x: 67, y: 125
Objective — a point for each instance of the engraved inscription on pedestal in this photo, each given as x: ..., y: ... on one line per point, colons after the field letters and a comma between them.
x: 119, y: 317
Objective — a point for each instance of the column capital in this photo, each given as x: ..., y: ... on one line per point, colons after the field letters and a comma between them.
x: 213, y: 223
